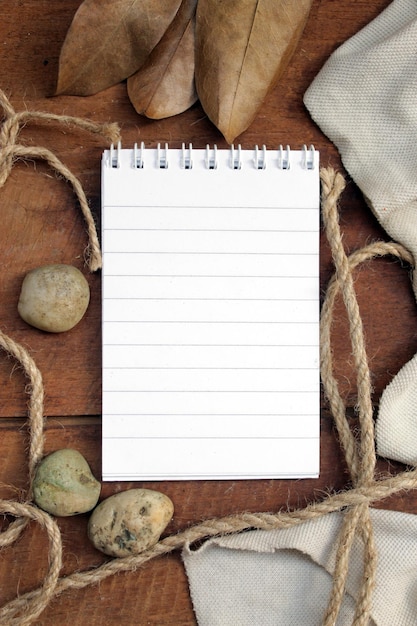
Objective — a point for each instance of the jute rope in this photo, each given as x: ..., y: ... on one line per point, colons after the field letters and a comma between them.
x: 360, y: 458
x: 10, y: 151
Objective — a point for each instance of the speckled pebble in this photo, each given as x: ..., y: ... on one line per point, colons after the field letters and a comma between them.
x: 129, y: 522
x: 54, y: 298
x: 64, y: 485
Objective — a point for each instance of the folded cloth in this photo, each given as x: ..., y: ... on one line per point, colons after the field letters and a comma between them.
x: 364, y: 100
x: 283, y: 577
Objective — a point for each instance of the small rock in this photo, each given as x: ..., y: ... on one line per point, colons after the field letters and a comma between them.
x: 129, y: 522
x: 64, y: 485
x: 54, y: 297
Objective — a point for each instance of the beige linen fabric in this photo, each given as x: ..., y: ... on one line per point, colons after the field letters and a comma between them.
x: 283, y: 577
x: 396, y: 426
x: 365, y: 100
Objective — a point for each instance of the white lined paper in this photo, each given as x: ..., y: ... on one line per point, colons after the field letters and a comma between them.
x: 210, y: 318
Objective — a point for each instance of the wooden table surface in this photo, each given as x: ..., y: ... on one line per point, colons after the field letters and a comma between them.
x: 41, y: 223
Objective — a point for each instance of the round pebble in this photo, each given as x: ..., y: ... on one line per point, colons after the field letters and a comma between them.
x: 54, y: 298
x: 64, y: 485
x: 129, y: 522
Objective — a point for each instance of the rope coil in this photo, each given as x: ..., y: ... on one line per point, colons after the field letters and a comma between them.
x: 360, y: 454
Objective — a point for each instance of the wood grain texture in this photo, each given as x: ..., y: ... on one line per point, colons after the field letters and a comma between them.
x: 41, y: 224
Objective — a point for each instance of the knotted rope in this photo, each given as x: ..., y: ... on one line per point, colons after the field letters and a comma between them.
x: 360, y: 453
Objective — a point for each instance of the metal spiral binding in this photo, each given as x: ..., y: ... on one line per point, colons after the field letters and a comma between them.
x: 115, y: 155
x: 138, y: 156
x: 162, y: 158
x: 260, y: 160
x: 211, y: 158
x: 187, y: 159
x: 308, y: 157
x: 284, y: 158
x: 236, y: 161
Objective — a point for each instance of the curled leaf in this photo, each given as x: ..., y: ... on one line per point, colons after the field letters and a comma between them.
x: 242, y: 48
x: 164, y: 85
x: 109, y: 40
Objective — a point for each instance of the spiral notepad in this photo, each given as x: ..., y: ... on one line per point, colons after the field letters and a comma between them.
x: 210, y: 313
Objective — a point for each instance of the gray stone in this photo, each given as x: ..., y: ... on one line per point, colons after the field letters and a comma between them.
x: 54, y: 298
x: 64, y: 485
x: 129, y: 522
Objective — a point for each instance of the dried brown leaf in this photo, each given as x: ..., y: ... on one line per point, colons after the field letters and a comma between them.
x: 164, y: 85
x: 109, y: 40
x: 242, y: 48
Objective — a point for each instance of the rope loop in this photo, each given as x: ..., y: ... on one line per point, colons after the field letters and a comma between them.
x: 23, y: 613
x: 10, y: 151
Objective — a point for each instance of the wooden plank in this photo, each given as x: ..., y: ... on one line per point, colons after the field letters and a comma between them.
x: 41, y: 223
